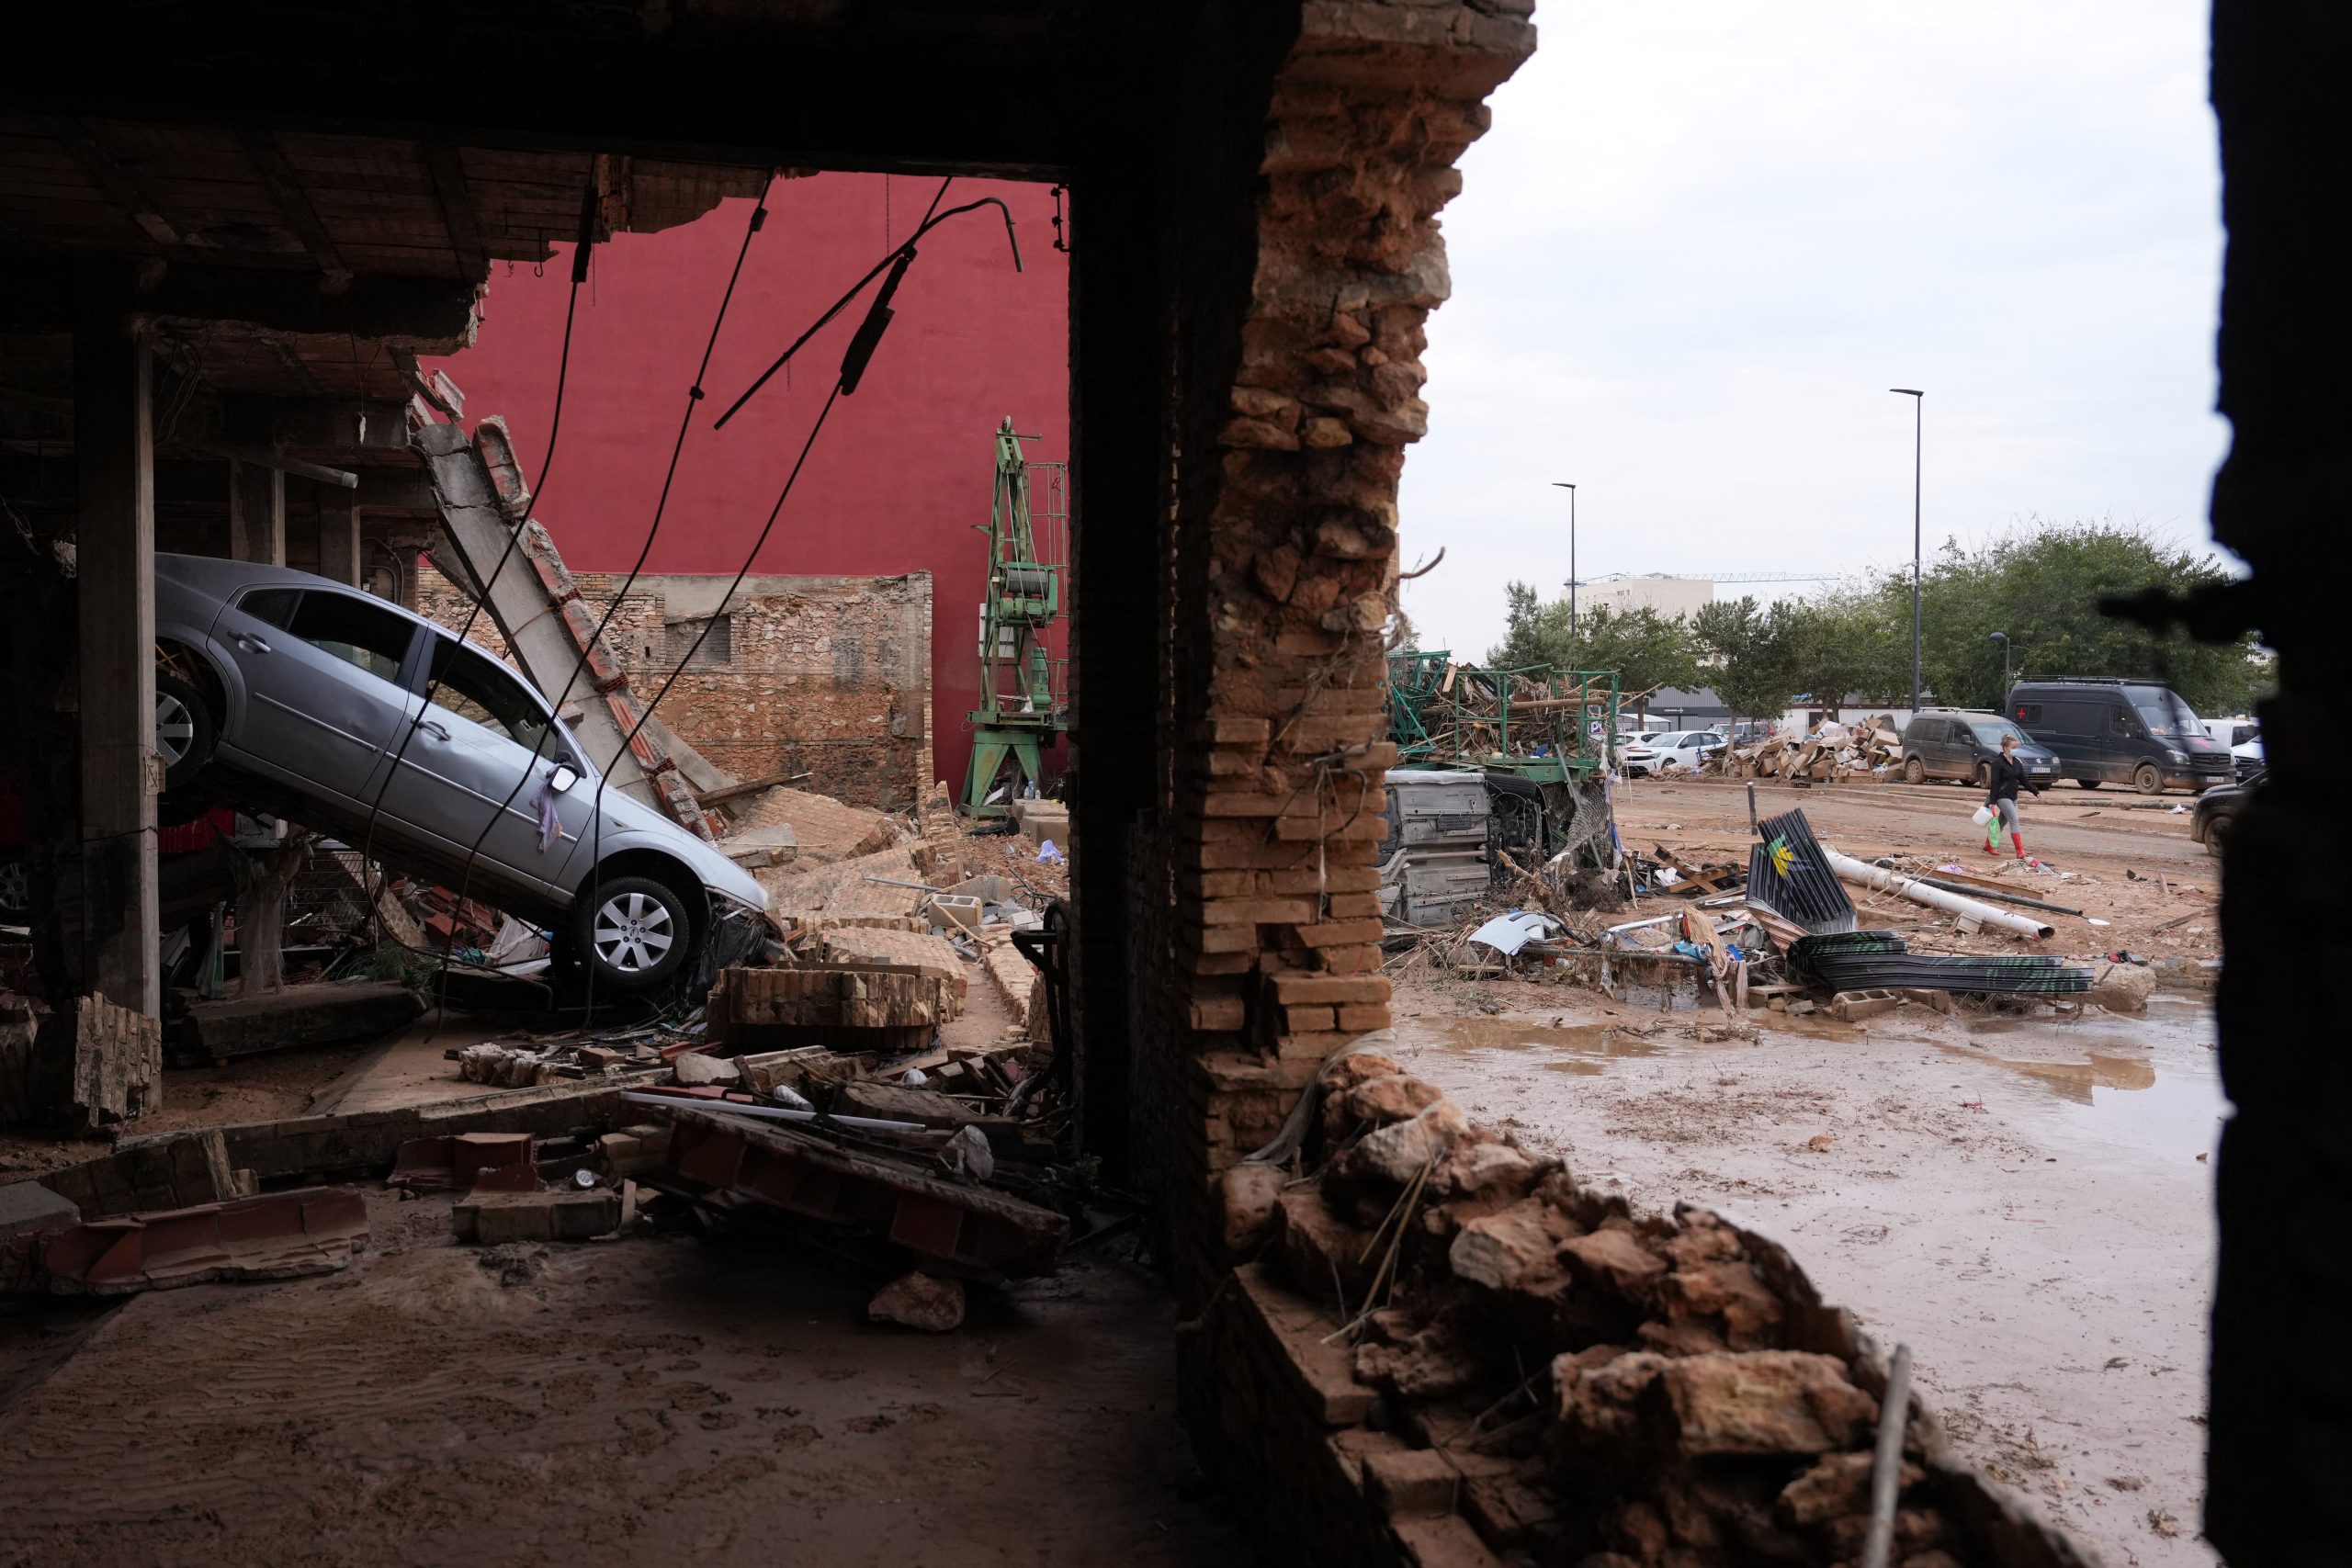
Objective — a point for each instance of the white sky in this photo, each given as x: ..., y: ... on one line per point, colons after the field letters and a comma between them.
x: 1704, y: 236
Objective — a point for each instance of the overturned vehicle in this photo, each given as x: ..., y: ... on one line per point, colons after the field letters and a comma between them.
x: 287, y: 693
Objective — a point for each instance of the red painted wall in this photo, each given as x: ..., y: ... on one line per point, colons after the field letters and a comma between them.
x: 900, y: 473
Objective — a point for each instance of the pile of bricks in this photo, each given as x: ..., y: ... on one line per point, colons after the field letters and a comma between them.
x: 858, y: 1008
x: 1443, y: 1350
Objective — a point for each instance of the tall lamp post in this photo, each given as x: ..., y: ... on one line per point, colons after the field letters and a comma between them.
x: 1561, y: 484
x: 2003, y: 639
x: 1918, y: 401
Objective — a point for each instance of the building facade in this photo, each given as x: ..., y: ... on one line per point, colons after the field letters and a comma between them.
x: 898, y: 477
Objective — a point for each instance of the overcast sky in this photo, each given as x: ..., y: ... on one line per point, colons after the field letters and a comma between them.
x: 1703, y: 237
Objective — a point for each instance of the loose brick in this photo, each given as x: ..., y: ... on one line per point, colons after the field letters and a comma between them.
x: 1258, y: 912
x: 1364, y: 1018
x: 1336, y: 934
x: 1309, y: 987
x: 1219, y: 1013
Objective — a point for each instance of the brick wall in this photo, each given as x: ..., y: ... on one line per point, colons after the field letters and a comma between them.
x: 826, y: 675
x: 1257, y: 933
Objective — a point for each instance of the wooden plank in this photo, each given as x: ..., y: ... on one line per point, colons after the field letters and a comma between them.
x: 285, y: 188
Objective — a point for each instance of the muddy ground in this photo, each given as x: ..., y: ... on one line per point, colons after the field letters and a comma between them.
x: 2026, y: 1200
x: 650, y: 1400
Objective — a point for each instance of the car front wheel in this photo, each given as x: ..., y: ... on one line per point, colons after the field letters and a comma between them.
x: 635, y: 931
x: 1914, y: 772
x: 2147, y: 779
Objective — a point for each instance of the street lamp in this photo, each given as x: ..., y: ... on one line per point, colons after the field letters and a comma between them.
x: 2003, y: 639
x: 1918, y: 401
x: 1561, y: 484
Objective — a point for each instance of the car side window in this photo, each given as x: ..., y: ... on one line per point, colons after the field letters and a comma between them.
x: 2028, y: 713
x: 2118, y: 722
x: 477, y: 687
x: 354, y: 628
x: 273, y: 606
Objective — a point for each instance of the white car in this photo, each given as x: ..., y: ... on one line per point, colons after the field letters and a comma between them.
x: 1683, y: 748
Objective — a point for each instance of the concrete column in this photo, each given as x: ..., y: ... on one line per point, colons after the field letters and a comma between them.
x: 114, y: 453
x: 339, y: 534
x: 256, y: 514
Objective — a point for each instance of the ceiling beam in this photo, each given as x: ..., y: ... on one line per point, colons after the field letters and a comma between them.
x: 120, y: 184
x: 447, y: 165
x: 435, y: 315
x: 293, y: 203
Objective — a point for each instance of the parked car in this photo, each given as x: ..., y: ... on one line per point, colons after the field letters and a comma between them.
x: 2244, y: 738
x: 306, y: 697
x: 2111, y: 731
x: 2216, y: 812
x: 1684, y: 748
x: 1961, y: 743
x: 1752, y: 731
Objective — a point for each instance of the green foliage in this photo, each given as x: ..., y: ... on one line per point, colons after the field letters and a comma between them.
x: 1756, y: 652
x: 2042, y: 586
x: 1646, y: 648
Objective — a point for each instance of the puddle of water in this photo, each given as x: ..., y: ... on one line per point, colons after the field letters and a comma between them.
x: 1586, y: 1049
x: 2074, y: 1080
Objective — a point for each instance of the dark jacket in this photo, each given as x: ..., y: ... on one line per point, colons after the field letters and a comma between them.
x: 2008, y: 777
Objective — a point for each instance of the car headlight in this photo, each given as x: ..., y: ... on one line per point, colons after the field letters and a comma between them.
x: 2177, y: 756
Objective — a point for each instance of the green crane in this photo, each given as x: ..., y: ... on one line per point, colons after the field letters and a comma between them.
x: 1024, y: 692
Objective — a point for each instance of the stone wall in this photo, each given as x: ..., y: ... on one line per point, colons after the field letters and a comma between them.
x: 829, y: 676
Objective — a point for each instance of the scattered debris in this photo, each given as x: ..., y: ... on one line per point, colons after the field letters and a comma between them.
x: 919, y: 1301
x: 279, y: 1235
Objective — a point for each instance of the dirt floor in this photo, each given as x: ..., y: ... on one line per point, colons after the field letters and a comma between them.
x: 2026, y: 1200
x: 654, y: 1399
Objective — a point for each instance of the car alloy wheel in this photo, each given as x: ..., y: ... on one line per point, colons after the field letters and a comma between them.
x: 633, y: 933
x: 175, y: 729
x: 635, y: 930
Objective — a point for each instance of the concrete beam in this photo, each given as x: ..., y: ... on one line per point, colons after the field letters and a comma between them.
x: 256, y: 514
x: 339, y: 534
x: 432, y: 314
x: 120, y: 773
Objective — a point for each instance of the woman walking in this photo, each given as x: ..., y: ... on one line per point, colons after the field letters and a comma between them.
x: 2007, y: 776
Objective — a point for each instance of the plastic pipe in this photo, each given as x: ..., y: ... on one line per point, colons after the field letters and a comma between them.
x: 1848, y: 869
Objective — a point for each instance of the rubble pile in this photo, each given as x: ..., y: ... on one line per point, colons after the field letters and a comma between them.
x: 1872, y: 750
x: 1499, y: 1356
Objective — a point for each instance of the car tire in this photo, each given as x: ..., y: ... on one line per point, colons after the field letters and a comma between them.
x: 1984, y: 776
x: 635, y: 931
x: 2088, y: 783
x: 2148, y: 779
x: 1913, y: 771
x: 184, y: 733
x: 2217, y: 833
x: 15, y: 888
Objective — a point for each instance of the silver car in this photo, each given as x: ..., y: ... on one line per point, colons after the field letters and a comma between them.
x: 296, y: 693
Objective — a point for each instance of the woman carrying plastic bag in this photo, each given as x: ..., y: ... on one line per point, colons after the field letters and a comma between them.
x: 2000, y: 808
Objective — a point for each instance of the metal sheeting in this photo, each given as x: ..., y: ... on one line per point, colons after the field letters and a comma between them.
x: 1787, y: 874
x: 1856, y: 961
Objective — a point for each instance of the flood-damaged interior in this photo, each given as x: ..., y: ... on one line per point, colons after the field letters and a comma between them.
x: 745, y: 1031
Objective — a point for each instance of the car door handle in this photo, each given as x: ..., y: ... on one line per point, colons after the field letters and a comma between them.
x: 251, y: 643
x: 439, y: 730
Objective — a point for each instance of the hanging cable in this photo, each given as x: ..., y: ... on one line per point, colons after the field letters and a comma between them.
x: 694, y: 394
x: 587, y: 235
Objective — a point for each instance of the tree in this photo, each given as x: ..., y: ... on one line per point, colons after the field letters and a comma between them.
x: 1647, y: 650
x: 2042, y: 585
x: 1842, y: 646
x: 1754, y: 649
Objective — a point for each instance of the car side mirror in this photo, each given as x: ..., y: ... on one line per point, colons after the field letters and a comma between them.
x: 561, y: 777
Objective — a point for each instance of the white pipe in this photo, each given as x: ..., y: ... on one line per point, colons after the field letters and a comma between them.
x: 1852, y: 870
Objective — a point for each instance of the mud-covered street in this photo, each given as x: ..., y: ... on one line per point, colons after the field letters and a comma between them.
x: 2025, y: 1197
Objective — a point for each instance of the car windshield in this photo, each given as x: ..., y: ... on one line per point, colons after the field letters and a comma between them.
x: 2165, y: 714
x: 1992, y: 730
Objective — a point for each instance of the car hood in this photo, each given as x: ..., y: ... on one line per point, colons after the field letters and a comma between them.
x: 719, y: 875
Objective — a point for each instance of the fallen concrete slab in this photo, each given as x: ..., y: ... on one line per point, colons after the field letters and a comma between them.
x: 280, y: 1235
x: 318, y: 1014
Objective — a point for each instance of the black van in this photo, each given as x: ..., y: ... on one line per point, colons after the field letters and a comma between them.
x: 2113, y: 731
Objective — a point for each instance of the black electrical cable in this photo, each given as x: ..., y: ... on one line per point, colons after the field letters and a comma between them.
x: 661, y: 507
x: 555, y: 431
x: 854, y: 361
x: 907, y: 246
